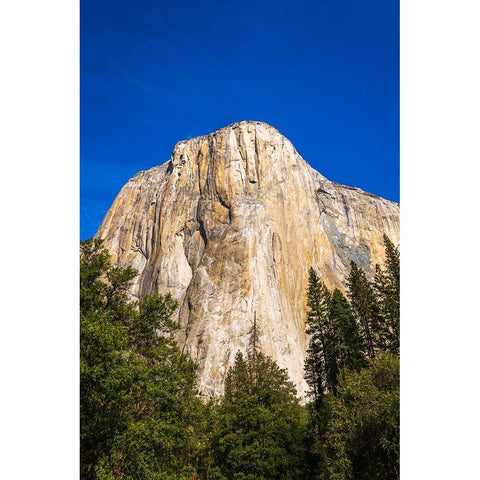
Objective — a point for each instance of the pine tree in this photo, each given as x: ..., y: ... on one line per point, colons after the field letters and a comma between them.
x: 261, y: 431
x: 344, y: 350
x: 238, y: 381
x: 387, y: 287
x: 317, y: 361
x: 365, y: 308
x: 254, y: 344
x: 361, y: 437
x: 346, y: 337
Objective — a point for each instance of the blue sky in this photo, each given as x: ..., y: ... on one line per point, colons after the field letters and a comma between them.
x: 324, y: 72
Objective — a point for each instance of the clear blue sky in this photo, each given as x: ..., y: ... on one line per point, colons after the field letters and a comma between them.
x: 324, y: 72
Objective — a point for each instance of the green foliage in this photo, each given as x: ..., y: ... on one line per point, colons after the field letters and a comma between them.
x: 350, y: 357
x: 361, y: 439
x: 262, y: 430
x: 335, y: 341
x: 365, y: 307
x: 318, y: 363
x: 387, y: 288
x: 140, y: 417
x: 348, y: 347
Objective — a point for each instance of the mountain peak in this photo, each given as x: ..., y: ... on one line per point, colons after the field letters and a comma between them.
x: 230, y: 226
x: 243, y: 125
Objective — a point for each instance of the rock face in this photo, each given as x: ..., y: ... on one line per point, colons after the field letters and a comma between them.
x: 230, y: 226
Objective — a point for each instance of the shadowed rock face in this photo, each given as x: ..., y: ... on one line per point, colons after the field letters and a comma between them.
x: 230, y: 226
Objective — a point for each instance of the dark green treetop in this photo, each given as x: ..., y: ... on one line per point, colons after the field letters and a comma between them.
x: 262, y: 430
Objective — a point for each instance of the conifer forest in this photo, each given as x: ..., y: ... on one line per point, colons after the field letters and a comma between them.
x: 142, y: 417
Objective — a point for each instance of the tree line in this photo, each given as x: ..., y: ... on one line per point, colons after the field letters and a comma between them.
x: 140, y: 412
x: 352, y: 369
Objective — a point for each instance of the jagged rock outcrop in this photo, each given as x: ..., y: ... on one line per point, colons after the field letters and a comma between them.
x: 230, y: 226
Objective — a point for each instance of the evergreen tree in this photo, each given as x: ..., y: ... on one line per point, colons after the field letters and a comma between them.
x: 345, y: 337
x: 238, y: 380
x: 262, y: 430
x: 317, y: 361
x: 340, y: 347
x: 254, y: 344
x: 365, y: 308
x: 335, y: 342
x: 140, y: 417
x: 361, y: 437
x: 387, y: 287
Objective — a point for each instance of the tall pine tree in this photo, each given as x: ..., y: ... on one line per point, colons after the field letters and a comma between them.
x: 365, y: 308
x: 317, y: 361
x: 387, y: 287
x: 346, y: 336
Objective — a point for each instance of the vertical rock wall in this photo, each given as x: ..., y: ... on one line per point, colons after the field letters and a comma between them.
x: 230, y: 226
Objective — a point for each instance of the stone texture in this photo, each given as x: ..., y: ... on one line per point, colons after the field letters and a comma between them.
x: 230, y: 226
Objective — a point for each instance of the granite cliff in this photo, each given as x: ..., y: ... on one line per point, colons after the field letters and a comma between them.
x: 230, y: 226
